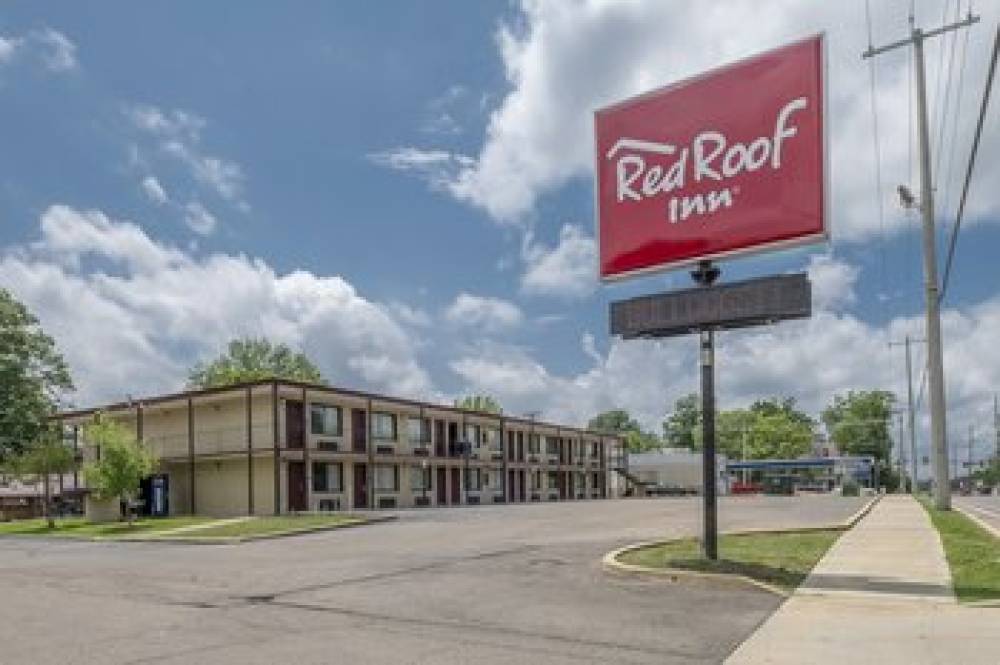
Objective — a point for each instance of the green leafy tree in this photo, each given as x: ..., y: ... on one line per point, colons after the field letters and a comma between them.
x: 679, y: 427
x: 481, y: 403
x: 783, y: 405
x: 859, y: 423
x: 48, y: 456
x: 616, y: 421
x: 760, y: 433
x: 619, y: 422
x: 254, y: 360
x: 32, y: 377
x: 123, y: 462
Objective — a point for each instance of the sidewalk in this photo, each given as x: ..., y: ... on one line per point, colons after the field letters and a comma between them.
x: 882, y: 596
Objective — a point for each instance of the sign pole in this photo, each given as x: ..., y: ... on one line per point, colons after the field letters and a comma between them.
x: 705, y: 276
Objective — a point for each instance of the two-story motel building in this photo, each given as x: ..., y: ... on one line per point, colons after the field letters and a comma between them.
x: 282, y: 446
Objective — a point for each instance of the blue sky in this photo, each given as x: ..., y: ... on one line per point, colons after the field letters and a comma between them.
x: 404, y: 192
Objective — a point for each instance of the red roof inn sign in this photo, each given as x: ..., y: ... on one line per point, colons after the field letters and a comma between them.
x: 728, y: 162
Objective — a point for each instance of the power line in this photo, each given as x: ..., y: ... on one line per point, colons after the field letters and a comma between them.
x: 972, y: 162
x: 878, y: 154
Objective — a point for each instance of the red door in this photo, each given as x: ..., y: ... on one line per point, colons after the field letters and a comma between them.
x: 297, y: 486
x: 360, y: 485
x: 456, y: 486
x: 442, y: 489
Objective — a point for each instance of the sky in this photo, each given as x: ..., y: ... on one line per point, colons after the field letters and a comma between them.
x: 404, y: 192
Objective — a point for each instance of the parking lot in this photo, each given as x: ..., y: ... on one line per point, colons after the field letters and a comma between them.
x: 500, y: 584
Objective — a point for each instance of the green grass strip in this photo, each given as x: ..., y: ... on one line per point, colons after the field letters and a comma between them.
x: 780, y: 559
x: 270, y: 526
x: 973, y: 555
x: 78, y: 527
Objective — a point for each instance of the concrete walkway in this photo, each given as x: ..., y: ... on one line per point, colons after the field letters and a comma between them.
x: 881, y: 595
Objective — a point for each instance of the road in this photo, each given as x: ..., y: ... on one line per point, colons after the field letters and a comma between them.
x: 498, y: 584
x: 986, y: 508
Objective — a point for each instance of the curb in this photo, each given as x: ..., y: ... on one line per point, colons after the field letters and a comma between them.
x: 979, y: 521
x: 611, y: 563
x: 237, y: 540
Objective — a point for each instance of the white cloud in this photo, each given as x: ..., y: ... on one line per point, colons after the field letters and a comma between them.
x: 47, y: 46
x: 409, y: 315
x: 441, y: 112
x: 564, y: 59
x: 178, y: 134
x: 161, y: 309
x: 58, y: 51
x: 199, y: 219
x: 484, y: 312
x: 568, y: 269
x: 437, y: 166
x: 832, y: 281
x: 810, y: 360
x: 152, y: 188
x: 8, y: 46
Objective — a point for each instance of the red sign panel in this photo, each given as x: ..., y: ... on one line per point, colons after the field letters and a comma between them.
x: 728, y: 162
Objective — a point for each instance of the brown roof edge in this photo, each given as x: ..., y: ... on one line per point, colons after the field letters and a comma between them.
x: 201, y: 392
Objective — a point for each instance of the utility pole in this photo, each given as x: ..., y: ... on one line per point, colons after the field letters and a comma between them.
x: 996, y: 427
x: 910, y: 408
x: 935, y: 364
x: 901, y: 489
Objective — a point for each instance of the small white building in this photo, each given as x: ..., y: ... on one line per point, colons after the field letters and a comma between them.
x: 674, y: 470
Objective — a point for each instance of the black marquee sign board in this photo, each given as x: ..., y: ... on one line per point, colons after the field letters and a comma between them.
x: 724, y: 307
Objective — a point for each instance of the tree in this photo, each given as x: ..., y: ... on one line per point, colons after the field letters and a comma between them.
x: 123, y: 462
x: 618, y: 422
x: 48, y: 456
x: 783, y: 405
x: 481, y: 403
x: 760, y: 433
x: 859, y: 424
x: 679, y: 427
x: 253, y: 360
x: 32, y: 376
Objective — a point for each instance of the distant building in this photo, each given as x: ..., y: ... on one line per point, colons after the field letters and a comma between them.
x: 21, y: 499
x: 673, y: 470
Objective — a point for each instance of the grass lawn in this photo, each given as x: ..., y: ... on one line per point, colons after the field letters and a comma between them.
x: 78, y: 527
x: 973, y: 555
x: 269, y: 526
x: 781, y: 559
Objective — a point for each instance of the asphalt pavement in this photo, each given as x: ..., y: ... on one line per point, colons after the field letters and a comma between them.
x: 986, y: 508
x: 496, y: 584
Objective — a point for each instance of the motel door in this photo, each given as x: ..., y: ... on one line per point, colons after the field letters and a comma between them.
x: 297, y: 486
x: 360, y: 485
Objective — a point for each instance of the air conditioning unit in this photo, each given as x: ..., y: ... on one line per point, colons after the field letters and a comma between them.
x: 385, y: 502
x: 329, y: 505
x: 498, y: 499
x: 328, y: 446
x: 385, y: 450
x: 473, y: 500
x: 421, y: 501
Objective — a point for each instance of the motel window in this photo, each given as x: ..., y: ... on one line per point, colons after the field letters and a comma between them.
x: 472, y: 435
x: 327, y: 477
x: 326, y: 420
x: 384, y: 426
x: 495, y: 480
x: 418, y: 430
x: 420, y: 478
x: 553, y: 480
x: 386, y: 478
x: 533, y: 444
x: 474, y: 479
x: 536, y: 480
x: 494, y: 440
x: 551, y: 445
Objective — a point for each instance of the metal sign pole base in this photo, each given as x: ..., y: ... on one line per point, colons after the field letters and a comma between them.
x: 705, y: 276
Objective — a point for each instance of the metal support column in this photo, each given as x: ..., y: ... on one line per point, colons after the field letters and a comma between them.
x: 249, y: 404
x: 277, y: 452
x: 191, y: 494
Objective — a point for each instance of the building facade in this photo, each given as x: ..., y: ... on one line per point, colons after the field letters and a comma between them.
x: 274, y: 447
